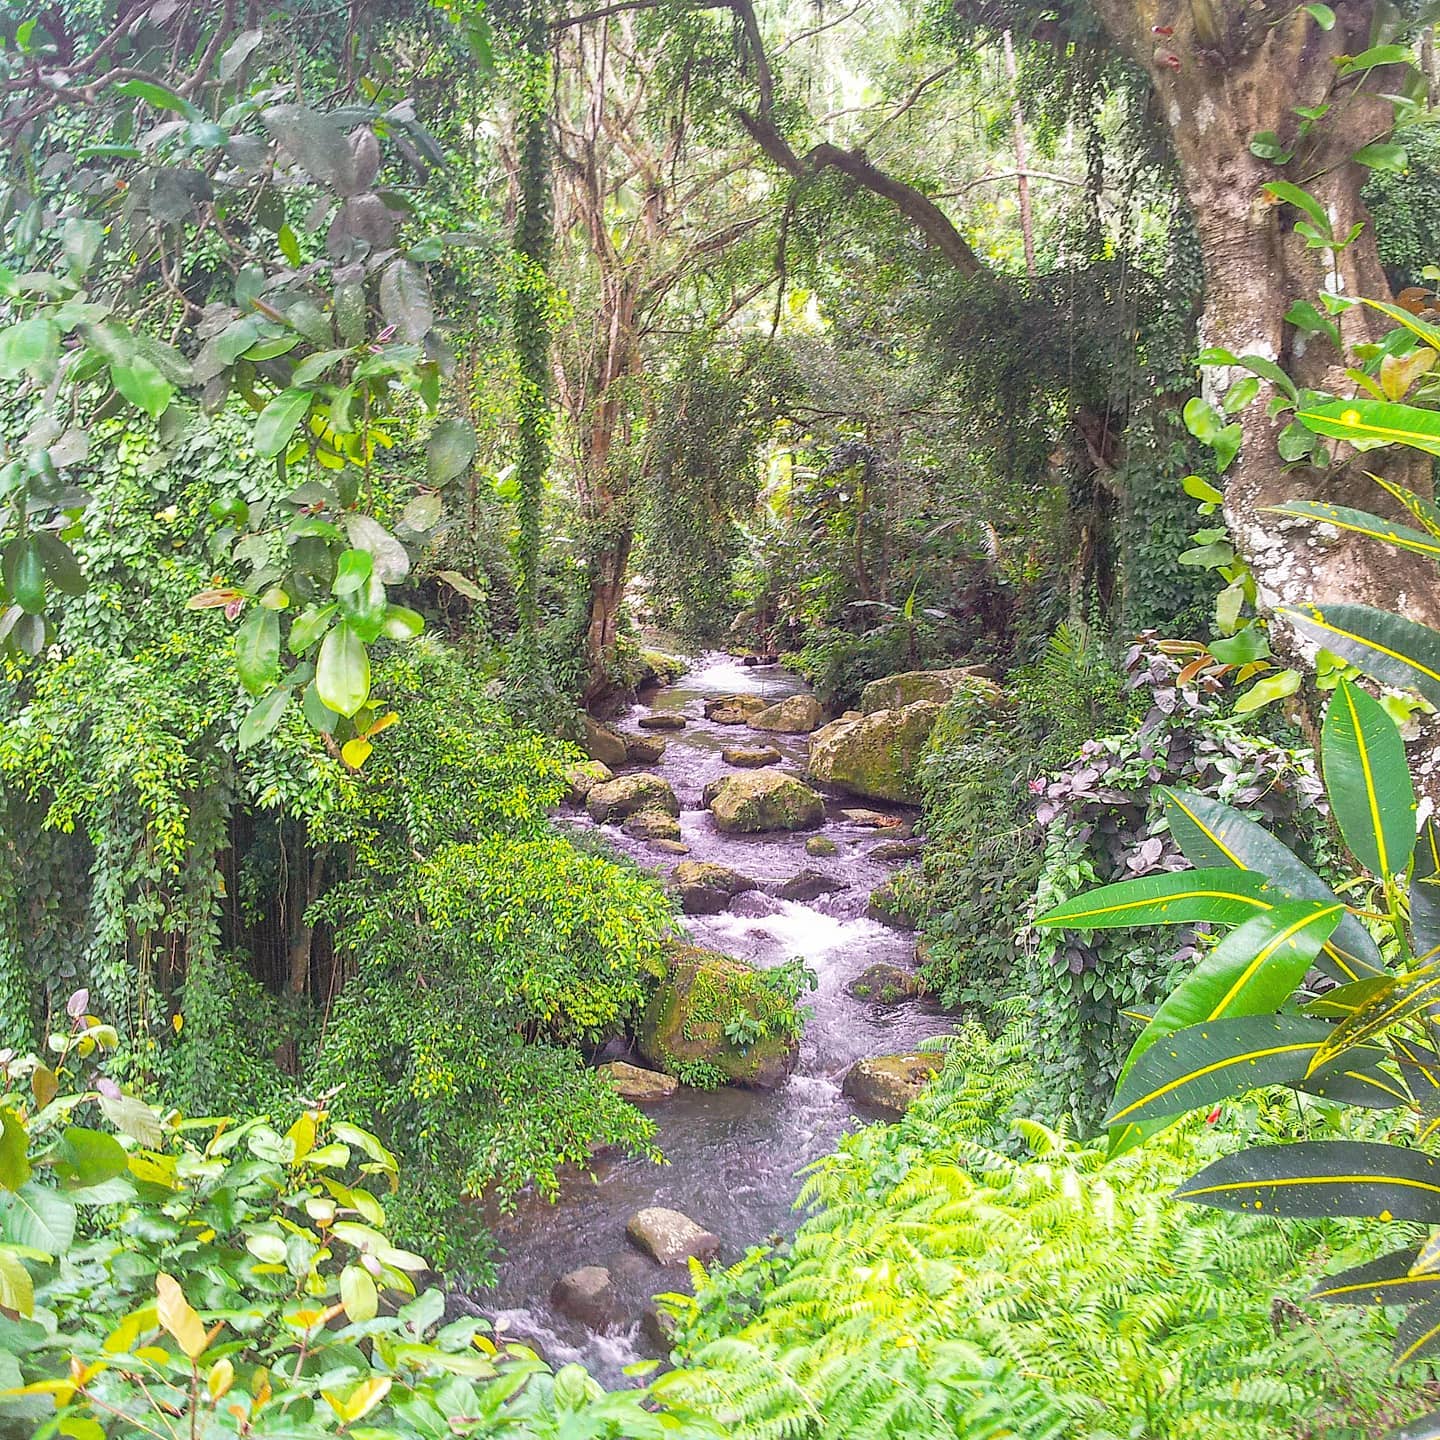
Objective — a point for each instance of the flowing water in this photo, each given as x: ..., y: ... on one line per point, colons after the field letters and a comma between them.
x: 732, y: 1154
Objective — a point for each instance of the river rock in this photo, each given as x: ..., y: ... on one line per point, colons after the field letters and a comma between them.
x: 670, y: 847
x: 764, y: 801
x: 602, y: 743
x: 670, y: 1237
x: 755, y: 905
x: 662, y: 720
x: 896, y: 902
x: 684, y: 1021
x: 652, y: 824
x: 810, y: 885
x: 876, y: 756
x: 795, y: 715
x: 644, y: 749
x: 583, y: 777
x: 821, y: 845
x: 658, y: 668
x: 884, y: 984
x: 627, y: 795
x: 872, y: 819
x: 936, y: 687
x: 891, y: 1082
x: 634, y: 1082
x: 703, y: 900
x: 587, y: 1295
x: 659, y: 1327
x: 751, y: 757
x: 893, y: 850
x: 733, y: 709
x: 705, y: 875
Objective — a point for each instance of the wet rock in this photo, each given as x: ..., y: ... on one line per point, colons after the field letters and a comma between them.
x: 871, y: 819
x: 671, y: 847
x: 795, y: 715
x: 670, y: 1237
x: 587, y: 1295
x: 809, y: 885
x: 684, y: 1023
x: 733, y: 709
x: 821, y: 845
x: 662, y: 720
x: 745, y: 757
x: 897, y: 903
x: 717, y: 877
x: 654, y: 824
x: 659, y: 1327
x: 658, y: 668
x: 884, y: 984
x: 644, y: 749
x: 634, y: 1082
x: 583, y: 777
x: 628, y: 795
x: 876, y: 756
x: 703, y: 900
x: 891, y: 1082
x: 764, y: 801
x: 602, y: 743
x: 892, y: 850
x: 936, y: 687
x: 755, y: 905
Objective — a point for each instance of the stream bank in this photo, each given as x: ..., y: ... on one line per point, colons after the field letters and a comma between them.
x: 733, y: 1155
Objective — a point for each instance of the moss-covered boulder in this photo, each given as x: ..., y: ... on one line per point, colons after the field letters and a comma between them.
x: 821, y: 845
x: 644, y: 749
x: 652, y: 824
x: 602, y: 743
x: 658, y: 668
x: 764, y: 801
x: 884, y: 984
x: 627, y: 795
x: 714, y: 877
x: 892, y: 851
x: 583, y: 777
x: 878, y: 755
x: 938, y: 687
x: 751, y: 757
x: 734, y: 709
x: 891, y: 1083
x: 636, y: 1083
x: 899, y: 902
x: 715, y: 1021
x: 795, y: 715
x: 662, y: 720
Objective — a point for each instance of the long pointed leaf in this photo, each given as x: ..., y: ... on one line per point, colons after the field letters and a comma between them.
x: 1367, y: 423
x: 1387, y: 647
x: 1351, y: 1081
x: 1360, y: 522
x: 1425, y: 890
x: 1419, y: 1333
x: 1205, y: 1064
x: 1323, y: 1178
x: 1428, y: 333
x: 1401, y: 1000
x: 1386, y: 1281
x: 1210, y: 832
x: 1427, y: 512
x: 1184, y: 897
x: 1368, y: 780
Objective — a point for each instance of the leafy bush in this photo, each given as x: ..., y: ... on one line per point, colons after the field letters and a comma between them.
x: 942, y: 1286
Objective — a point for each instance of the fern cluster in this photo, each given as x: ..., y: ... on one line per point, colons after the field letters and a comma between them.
x: 944, y: 1287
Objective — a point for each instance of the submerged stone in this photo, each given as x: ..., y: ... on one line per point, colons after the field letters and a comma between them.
x: 662, y: 720
x: 884, y: 984
x: 821, y: 845
x: 810, y: 885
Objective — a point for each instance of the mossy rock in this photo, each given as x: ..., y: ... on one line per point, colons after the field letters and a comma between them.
x: 821, y: 845
x: 662, y: 720
x: 751, y: 757
x: 627, y: 795
x: 884, y: 984
x: 734, y: 709
x: 891, y: 1083
x: 683, y: 1028
x: 938, y: 687
x: 644, y: 749
x: 602, y: 743
x: 658, y: 668
x: 764, y: 801
x: 583, y: 777
x: 876, y: 756
x: 714, y: 877
x: 652, y: 824
x: 795, y: 715
x: 899, y: 902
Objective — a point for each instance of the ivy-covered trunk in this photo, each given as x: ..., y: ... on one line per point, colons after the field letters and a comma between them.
x: 1229, y: 81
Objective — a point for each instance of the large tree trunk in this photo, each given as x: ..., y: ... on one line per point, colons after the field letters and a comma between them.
x: 1225, y: 74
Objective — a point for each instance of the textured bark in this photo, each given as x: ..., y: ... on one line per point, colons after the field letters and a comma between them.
x: 1243, y: 69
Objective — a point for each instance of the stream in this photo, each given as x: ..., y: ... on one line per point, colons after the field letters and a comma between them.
x: 732, y: 1154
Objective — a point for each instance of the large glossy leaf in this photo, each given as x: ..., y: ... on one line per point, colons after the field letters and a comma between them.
x: 1209, y: 833
x: 405, y: 300
x: 1207, y: 1063
x: 342, y: 670
x: 1222, y: 896
x: 1425, y: 890
x: 1368, y: 781
x: 14, y: 1151
x: 1321, y: 1178
x: 1252, y: 971
x: 1396, y: 1003
x: 39, y: 1218
x: 1367, y: 423
x: 1386, y: 1281
x: 1419, y: 1332
x: 1387, y: 647
x: 263, y: 717
x: 278, y: 421
x: 1342, y: 517
x: 1359, y: 1079
x: 1427, y: 512
x: 449, y: 450
x: 257, y: 649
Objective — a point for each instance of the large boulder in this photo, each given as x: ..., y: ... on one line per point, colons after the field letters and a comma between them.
x: 670, y: 1237
x: 652, y: 824
x: 734, y: 709
x: 634, y: 1082
x: 683, y: 1028
x: 662, y: 720
x: 587, y: 1295
x: 809, y: 885
x: 763, y: 801
x: 876, y: 756
x: 938, y: 687
x: 629, y: 794
x: 602, y: 743
x: 884, y: 984
x: 891, y: 1082
x: 795, y: 715
x: 658, y: 668
x: 644, y: 749
x: 711, y: 876
x: 751, y: 757
x: 583, y: 777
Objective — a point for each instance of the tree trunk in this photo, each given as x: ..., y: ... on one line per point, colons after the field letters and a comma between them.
x: 1223, y: 76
